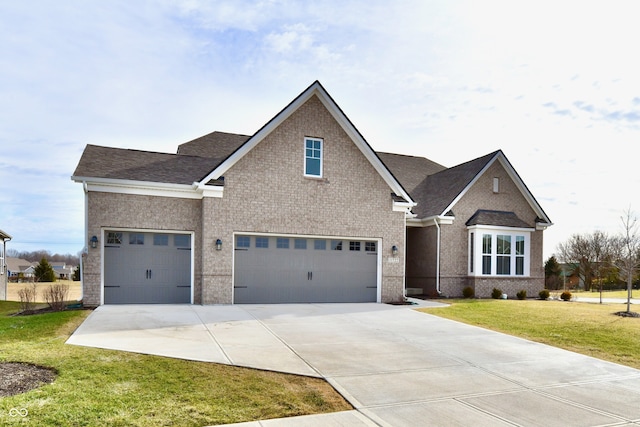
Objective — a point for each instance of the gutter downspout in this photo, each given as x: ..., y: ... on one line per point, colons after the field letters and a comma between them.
x: 435, y: 221
x: 4, y: 266
x: 85, y: 249
x: 404, y: 264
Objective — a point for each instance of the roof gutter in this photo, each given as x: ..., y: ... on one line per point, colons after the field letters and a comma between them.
x: 430, y: 221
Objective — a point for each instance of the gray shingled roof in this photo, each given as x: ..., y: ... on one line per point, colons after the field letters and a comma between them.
x: 136, y: 165
x: 216, y: 145
x: 497, y: 218
x: 437, y: 191
x: 430, y: 184
x: 409, y: 170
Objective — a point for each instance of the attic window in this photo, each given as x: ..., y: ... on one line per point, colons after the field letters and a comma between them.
x: 313, y: 157
x: 496, y: 185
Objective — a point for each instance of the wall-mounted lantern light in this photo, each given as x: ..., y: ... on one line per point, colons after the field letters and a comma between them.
x: 394, y: 250
x: 94, y: 242
x: 218, y: 244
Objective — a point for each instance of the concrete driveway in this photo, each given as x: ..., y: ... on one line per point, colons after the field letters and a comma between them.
x: 396, y: 366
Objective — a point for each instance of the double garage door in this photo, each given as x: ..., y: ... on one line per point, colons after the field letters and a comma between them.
x: 272, y: 269
x: 147, y: 268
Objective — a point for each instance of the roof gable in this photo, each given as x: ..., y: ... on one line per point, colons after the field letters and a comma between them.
x: 316, y: 89
x: 439, y: 192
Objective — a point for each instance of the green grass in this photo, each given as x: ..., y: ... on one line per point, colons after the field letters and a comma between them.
x: 586, y: 328
x: 110, y: 388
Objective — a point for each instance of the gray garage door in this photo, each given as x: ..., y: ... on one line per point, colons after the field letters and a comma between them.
x: 147, y: 268
x: 272, y: 270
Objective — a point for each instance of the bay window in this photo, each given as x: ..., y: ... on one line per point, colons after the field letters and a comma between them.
x: 501, y: 251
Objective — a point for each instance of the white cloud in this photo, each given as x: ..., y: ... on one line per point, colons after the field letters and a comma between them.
x: 552, y: 84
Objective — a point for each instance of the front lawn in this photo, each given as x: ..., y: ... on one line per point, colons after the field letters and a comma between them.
x: 635, y: 293
x: 98, y: 387
x: 586, y: 328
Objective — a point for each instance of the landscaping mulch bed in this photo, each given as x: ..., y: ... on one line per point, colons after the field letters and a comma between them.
x: 627, y: 314
x: 16, y: 378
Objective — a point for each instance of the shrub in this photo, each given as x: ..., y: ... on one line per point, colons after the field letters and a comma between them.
x: 522, y: 294
x: 543, y: 294
x: 565, y: 296
x: 468, y: 292
x: 496, y: 293
x: 56, y: 296
x: 28, y: 298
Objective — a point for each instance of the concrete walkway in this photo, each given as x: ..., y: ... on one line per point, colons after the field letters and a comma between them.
x: 396, y: 366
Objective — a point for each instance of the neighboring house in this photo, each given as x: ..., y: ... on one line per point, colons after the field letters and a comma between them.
x: 20, y: 269
x: 62, y: 270
x: 302, y: 211
x: 570, y: 273
x: 4, y: 238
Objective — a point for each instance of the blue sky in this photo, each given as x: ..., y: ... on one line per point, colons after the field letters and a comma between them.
x: 553, y: 84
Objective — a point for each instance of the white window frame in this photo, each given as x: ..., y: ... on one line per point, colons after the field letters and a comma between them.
x: 304, y: 157
x: 476, y: 252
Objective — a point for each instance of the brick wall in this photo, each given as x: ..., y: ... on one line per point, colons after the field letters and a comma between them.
x: 266, y: 192
x: 454, y: 256
x: 122, y: 211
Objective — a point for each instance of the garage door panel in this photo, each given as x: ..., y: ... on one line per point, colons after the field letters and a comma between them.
x: 155, y: 270
x: 307, y: 272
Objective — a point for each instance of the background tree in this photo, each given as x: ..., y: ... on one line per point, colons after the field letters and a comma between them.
x: 552, y: 272
x: 627, y: 256
x: 577, y: 253
x: 602, y: 248
x: 44, y: 272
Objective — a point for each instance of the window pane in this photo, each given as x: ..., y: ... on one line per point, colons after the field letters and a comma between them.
x: 160, y: 239
x: 504, y: 244
x: 486, y: 243
x: 503, y: 265
x: 136, y: 239
x: 370, y: 246
x: 471, y: 252
x: 320, y: 245
x: 114, y: 238
x: 182, y: 240
x: 313, y: 167
x: 243, y: 241
x: 486, y: 264
x: 336, y: 245
x: 262, y: 242
x: 519, y: 245
x: 300, y: 243
x: 354, y: 246
x: 520, y: 266
x: 282, y: 243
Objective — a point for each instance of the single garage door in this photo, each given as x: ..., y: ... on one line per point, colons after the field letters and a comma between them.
x: 271, y: 269
x: 147, y: 268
